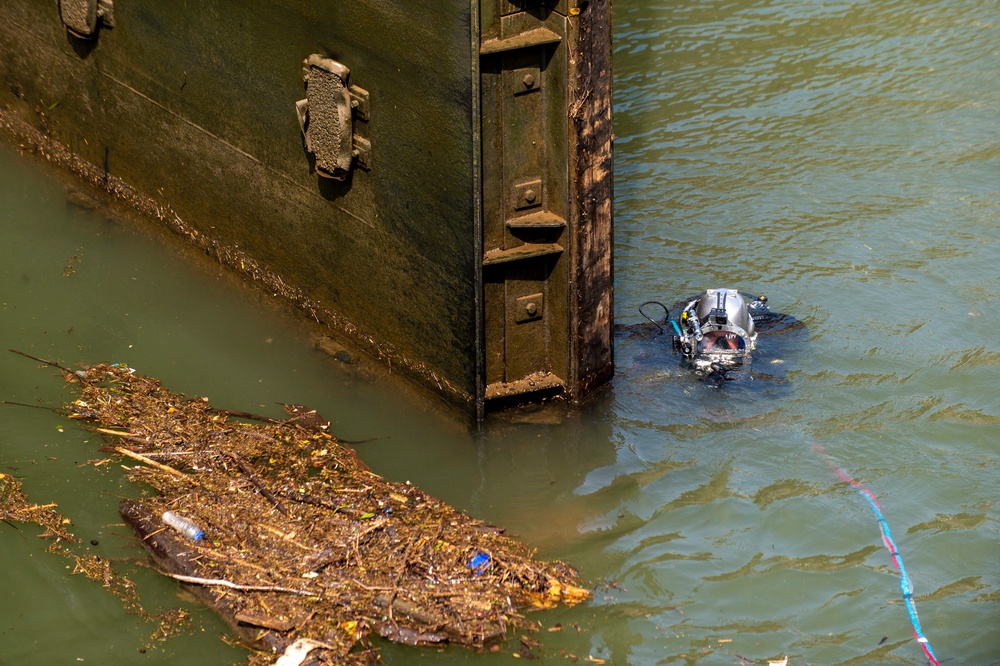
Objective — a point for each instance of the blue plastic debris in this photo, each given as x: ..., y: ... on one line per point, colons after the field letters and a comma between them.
x: 479, y: 563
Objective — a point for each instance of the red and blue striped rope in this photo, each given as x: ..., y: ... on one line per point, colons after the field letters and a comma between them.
x: 897, y: 558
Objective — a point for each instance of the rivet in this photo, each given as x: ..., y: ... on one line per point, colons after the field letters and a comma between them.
x: 531, y: 309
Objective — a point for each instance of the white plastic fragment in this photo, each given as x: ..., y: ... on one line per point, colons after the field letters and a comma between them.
x: 297, y: 652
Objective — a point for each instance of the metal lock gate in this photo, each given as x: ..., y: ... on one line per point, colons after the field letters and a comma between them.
x: 525, y: 194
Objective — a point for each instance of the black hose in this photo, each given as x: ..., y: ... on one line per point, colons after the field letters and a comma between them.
x: 666, y: 313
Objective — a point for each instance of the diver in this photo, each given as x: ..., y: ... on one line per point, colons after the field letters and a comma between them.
x: 716, y: 331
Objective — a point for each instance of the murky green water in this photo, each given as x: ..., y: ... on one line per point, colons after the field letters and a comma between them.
x: 843, y: 158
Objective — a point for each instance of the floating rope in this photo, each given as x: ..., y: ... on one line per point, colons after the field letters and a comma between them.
x: 897, y: 558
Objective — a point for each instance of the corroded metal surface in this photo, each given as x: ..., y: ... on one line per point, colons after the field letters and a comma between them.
x: 415, y: 255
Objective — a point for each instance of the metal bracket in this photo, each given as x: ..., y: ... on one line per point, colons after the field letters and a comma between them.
x: 529, y: 308
x: 360, y: 103
x: 526, y: 194
x: 83, y: 17
x: 512, y: 6
x: 327, y: 118
x: 527, y: 79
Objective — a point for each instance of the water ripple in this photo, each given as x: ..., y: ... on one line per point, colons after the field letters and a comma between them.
x: 841, y: 157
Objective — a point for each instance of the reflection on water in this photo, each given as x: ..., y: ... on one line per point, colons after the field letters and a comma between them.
x: 841, y: 158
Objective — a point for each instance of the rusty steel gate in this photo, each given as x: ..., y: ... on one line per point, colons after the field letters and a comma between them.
x: 430, y: 182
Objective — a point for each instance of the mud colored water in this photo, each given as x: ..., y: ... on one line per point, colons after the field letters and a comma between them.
x: 842, y: 158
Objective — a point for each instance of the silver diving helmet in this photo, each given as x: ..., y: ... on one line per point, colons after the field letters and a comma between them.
x: 717, y: 331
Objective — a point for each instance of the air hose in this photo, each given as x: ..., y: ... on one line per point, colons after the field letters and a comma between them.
x: 666, y: 313
x: 666, y: 317
x: 897, y: 558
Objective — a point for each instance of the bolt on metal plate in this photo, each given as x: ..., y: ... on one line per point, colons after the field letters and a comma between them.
x: 526, y: 194
x: 529, y: 308
x: 526, y: 80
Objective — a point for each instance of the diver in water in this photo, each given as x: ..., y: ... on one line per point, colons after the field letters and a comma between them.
x: 716, y: 331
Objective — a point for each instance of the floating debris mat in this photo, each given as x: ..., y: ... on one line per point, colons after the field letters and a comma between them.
x: 300, y: 547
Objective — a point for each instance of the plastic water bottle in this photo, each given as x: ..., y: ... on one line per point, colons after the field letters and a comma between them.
x: 185, y: 526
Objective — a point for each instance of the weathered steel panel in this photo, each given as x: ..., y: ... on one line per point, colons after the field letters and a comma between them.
x: 469, y: 242
x: 546, y: 192
x: 590, y: 106
x: 195, y: 106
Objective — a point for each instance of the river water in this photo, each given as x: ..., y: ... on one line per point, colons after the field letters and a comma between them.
x: 843, y: 158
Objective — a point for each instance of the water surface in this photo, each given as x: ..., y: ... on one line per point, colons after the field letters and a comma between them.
x: 842, y: 158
